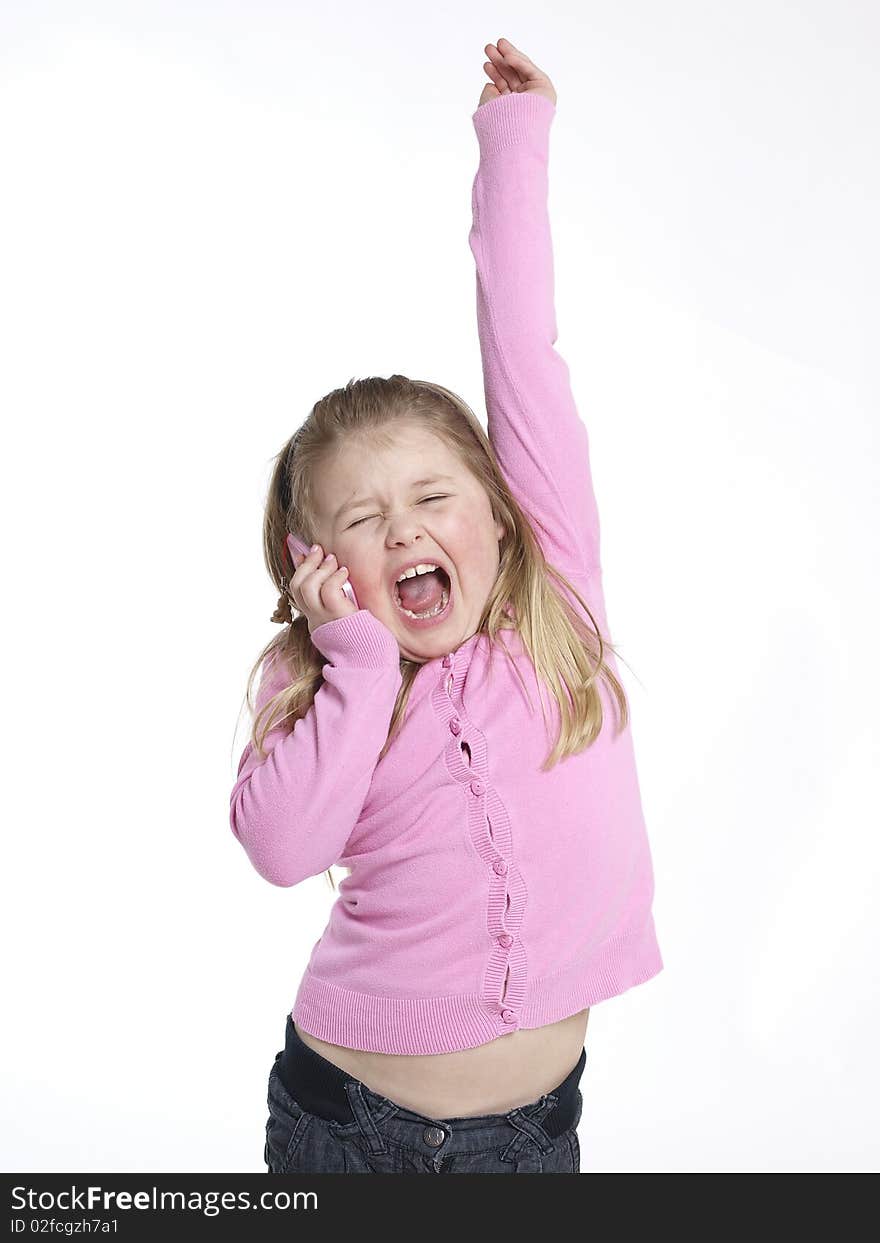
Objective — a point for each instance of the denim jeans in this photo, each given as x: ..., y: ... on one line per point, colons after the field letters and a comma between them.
x: 322, y: 1120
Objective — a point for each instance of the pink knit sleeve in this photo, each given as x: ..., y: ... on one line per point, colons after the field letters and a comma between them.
x: 294, y: 811
x: 536, y: 432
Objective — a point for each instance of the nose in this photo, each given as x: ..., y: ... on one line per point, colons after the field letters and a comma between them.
x: 402, y: 530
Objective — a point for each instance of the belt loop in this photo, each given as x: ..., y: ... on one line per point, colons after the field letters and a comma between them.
x: 529, y: 1126
x: 361, y: 1111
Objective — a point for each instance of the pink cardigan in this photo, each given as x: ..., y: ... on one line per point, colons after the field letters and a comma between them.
x: 485, y: 895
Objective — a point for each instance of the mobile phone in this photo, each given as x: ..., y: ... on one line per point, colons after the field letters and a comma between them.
x: 301, y: 546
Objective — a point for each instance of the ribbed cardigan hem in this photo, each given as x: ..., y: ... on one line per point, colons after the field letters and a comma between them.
x: 420, y: 1025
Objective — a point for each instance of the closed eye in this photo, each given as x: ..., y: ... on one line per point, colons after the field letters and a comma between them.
x: 421, y: 502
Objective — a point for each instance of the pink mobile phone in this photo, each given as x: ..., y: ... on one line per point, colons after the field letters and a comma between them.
x: 300, y: 546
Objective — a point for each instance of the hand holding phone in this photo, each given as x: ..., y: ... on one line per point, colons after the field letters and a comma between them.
x: 318, y: 588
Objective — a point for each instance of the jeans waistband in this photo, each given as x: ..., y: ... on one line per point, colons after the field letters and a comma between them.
x: 319, y: 1087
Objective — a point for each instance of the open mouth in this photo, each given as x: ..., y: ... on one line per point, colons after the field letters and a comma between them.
x: 437, y: 610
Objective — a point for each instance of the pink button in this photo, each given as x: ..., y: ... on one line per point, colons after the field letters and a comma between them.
x: 505, y: 939
x: 455, y: 725
x: 508, y: 1016
x: 477, y: 787
x: 500, y: 866
x: 447, y: 662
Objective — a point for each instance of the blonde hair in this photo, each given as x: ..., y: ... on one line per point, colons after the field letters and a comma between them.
x: 569, y: 655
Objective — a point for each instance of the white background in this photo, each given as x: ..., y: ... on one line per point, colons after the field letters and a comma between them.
x: 211, y: 215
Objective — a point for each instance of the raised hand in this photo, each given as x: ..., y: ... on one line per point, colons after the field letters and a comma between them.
x: 511, y: 70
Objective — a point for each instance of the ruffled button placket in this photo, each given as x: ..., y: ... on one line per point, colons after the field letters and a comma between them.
x: 504, y: 978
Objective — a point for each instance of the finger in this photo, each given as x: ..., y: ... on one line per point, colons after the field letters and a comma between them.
x: 313, y: 584
x: 506, y: 73
x: 308, y: 564
x: 518, y: 60
x: 331, y: 584
x: 324, y: 570
x: 508, y: 78
x: 512, y: 54
x: 498, y: 80
x: 314, y: 556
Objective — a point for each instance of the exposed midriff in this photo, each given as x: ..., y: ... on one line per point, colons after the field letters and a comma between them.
x: 491, y: 1078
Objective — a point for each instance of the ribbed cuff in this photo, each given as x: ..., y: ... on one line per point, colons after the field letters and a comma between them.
x: 358, y: 640
x: 512, y: 119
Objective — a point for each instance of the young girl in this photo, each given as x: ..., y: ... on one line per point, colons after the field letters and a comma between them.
x: 496, y: 889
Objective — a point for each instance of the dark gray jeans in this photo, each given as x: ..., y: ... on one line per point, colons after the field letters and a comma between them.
x: 349, y: 1129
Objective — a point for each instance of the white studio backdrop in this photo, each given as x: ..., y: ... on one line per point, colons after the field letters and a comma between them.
x: 211, y: 216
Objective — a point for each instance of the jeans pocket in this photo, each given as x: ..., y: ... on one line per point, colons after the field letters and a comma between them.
x: 284, y: 1135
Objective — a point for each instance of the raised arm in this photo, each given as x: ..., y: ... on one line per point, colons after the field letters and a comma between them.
x: 536, y: 432
x: 294, y: 811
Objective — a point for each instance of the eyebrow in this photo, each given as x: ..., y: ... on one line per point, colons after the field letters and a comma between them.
x: 362, y: 500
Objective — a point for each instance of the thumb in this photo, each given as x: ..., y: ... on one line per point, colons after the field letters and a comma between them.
x: 489, y: 92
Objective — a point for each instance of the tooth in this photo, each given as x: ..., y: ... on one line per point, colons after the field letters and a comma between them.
x: 414, y: 570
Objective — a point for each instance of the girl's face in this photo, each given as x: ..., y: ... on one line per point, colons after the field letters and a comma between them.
x: 377, y: 522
